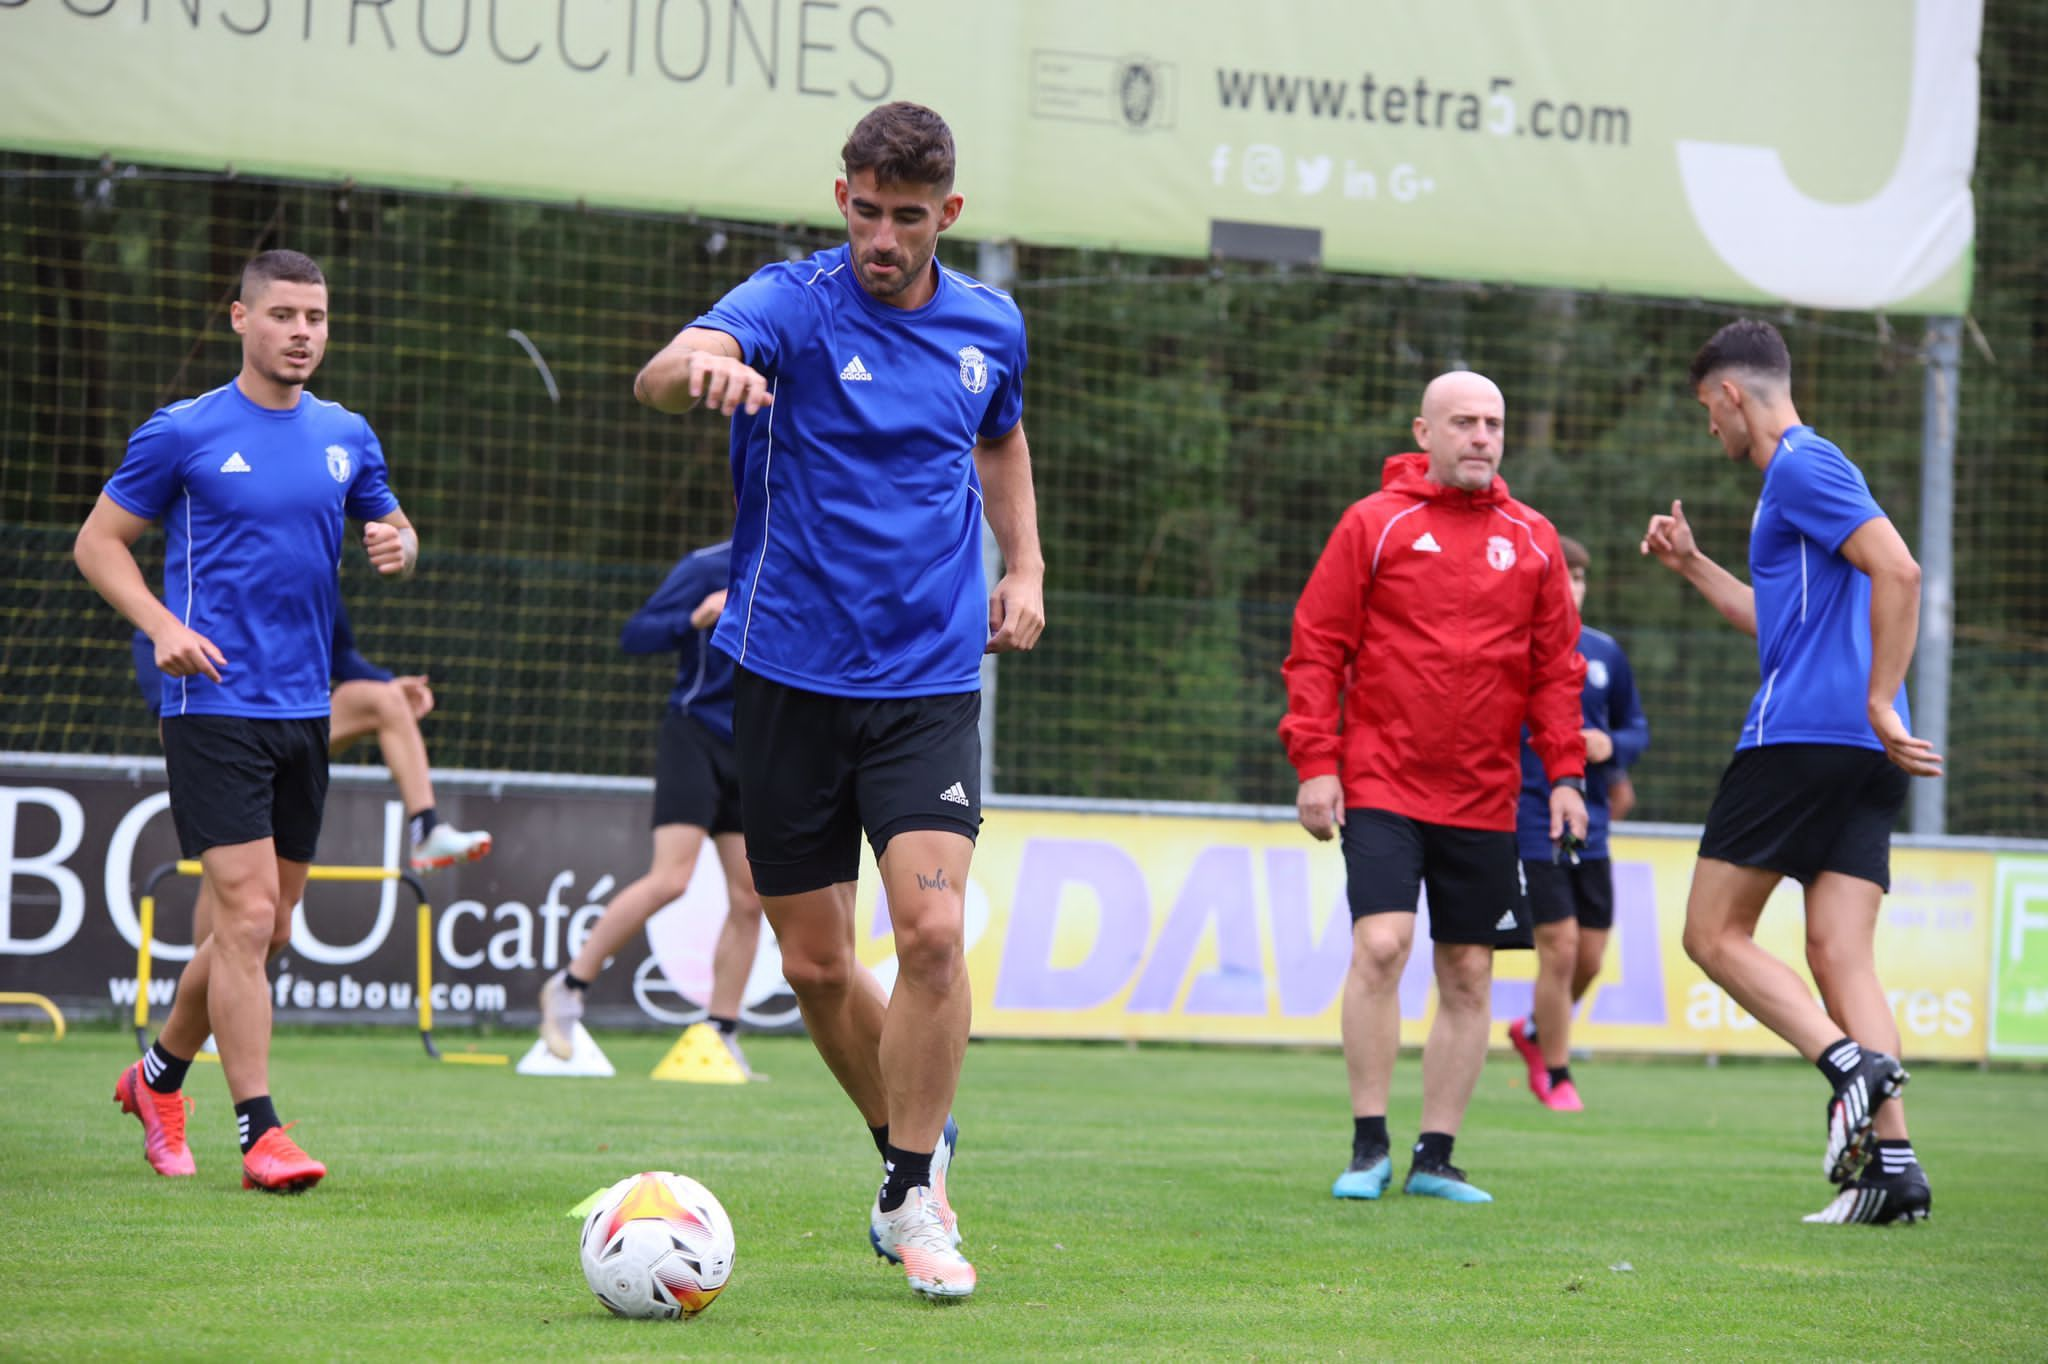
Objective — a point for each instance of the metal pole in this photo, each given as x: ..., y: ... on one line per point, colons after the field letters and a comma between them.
x: 996, y: 266
x: 1936, y: 652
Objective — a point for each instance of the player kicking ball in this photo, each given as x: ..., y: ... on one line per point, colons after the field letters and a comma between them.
x: 877, y: 403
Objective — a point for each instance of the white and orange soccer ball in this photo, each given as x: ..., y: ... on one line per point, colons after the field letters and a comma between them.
x: 657, y: 1245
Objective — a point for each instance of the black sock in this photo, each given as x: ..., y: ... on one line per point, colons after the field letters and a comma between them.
x: 1559, y: 1074
x: 162, y: 1071
x: 1369, y: 1135
x: 423, y: 824
x: 569, y: 979
x: 255, y: 1117
x: 727, y: 1026
x: 1838, y: 1061
x: 1434, y: 1148
x: 881, y: 1136
x: 903, y: 1171
x: 1895, y: 1157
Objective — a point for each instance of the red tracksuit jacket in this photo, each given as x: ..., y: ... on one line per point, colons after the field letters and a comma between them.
x: 1436, y: 623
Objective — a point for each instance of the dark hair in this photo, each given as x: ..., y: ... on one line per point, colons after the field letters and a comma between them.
x: 1575, y: 555
x: 1743, y: 344
x: 903, y: 144
x: 293, y: 267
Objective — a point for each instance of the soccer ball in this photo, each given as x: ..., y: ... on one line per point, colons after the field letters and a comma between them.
x: 657, y: 1245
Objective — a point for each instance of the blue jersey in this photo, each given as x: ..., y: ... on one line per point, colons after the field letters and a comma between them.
x: 346, y: 662
x: 703, y: 674
x: 1812, y: 605
x: 1608, y: 702
x: 252, y: 502
x: 856, y: 563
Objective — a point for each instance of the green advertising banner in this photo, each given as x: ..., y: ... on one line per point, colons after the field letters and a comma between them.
x: 1817, y: 153
x: 2019, y: 960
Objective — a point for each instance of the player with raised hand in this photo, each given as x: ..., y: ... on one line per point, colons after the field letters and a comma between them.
x: 1823, y: 764
x: 876, y: 399
x: 262, y: 476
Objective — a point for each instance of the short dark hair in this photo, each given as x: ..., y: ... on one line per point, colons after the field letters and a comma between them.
x: 293, y: 267
x: 1575, y: 555
x: 903, y: 144
x: 1743, y: 344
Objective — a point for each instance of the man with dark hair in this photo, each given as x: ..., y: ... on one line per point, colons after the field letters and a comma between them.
x: 876, y: 400
x: 696, y: 796
x: 1571, y: 892
x: 1822, y: 766
x: 262, y: 475
x: 1437, y: 623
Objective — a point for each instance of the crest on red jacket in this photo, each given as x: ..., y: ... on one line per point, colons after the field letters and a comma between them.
x: 1500, y: 552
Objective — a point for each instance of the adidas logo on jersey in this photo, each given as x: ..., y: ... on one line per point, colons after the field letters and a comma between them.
x: 1427, y: 544
x: 236, y: 465
x: 855, y: 372
x: 955, y: 793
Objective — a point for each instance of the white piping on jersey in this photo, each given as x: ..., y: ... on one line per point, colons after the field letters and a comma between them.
x: 827, y: 274
x: 1389, y: 530
x: 1802, y: 579
x: 767, y: 507
x: 974, y: 283
x: 697, y: 684
x: 1763, y: 704
x: 185, y: 683
x: 180, y: 407
x: 1526, y: 530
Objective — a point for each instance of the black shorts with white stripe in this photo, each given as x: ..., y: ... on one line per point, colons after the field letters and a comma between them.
x: 1804, y: 809
x: 816, y: 771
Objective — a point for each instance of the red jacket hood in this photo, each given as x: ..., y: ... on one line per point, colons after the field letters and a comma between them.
x: 1409, y: 475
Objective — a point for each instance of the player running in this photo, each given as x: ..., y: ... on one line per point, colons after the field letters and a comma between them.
x: 696, y: 796
x: 1823, y: 763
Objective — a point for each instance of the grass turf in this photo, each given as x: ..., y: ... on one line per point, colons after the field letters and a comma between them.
x: 1128, y: 1203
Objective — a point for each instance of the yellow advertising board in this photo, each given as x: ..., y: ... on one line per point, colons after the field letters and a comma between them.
x: 1209, y: 929
x: 1601, y: 144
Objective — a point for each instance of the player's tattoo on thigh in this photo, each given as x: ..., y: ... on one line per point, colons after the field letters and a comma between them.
x: 936, y: 881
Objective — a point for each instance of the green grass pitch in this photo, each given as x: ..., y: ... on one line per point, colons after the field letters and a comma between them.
x: 1119, y: 1203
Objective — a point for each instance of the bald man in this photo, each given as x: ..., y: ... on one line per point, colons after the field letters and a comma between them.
x: 1438, y: 622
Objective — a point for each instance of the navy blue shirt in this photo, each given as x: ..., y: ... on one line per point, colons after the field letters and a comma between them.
x: 1608, y: 703
x: 856, y: 563
x: 703, y: 674
x: 348, y: 663
x: 1812, y: 605
x: 253, y: 502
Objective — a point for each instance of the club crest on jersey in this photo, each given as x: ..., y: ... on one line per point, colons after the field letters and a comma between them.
x: 1596, y: 674
x: 338, y: 463
x: 973, y: 368
x: 1500, y: 552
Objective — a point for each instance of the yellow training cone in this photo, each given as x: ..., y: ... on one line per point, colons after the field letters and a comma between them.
x: 700, y: 1057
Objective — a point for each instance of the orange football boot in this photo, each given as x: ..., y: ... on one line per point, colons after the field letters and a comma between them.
x: 275, y: 1164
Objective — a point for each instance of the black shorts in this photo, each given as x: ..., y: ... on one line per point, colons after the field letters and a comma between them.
x: 1474, y: 876
x: 1584, y: 891
x: 1803, y: 809
x: 817, y: 770
x: 696, y: 776
x: 236, y: 779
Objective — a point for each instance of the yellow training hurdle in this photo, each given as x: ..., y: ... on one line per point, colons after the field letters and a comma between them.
x: 424, y: 913
x: 35, y: 1001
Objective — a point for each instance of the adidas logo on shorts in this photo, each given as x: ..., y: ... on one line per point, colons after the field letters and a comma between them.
x: 955, y: 793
